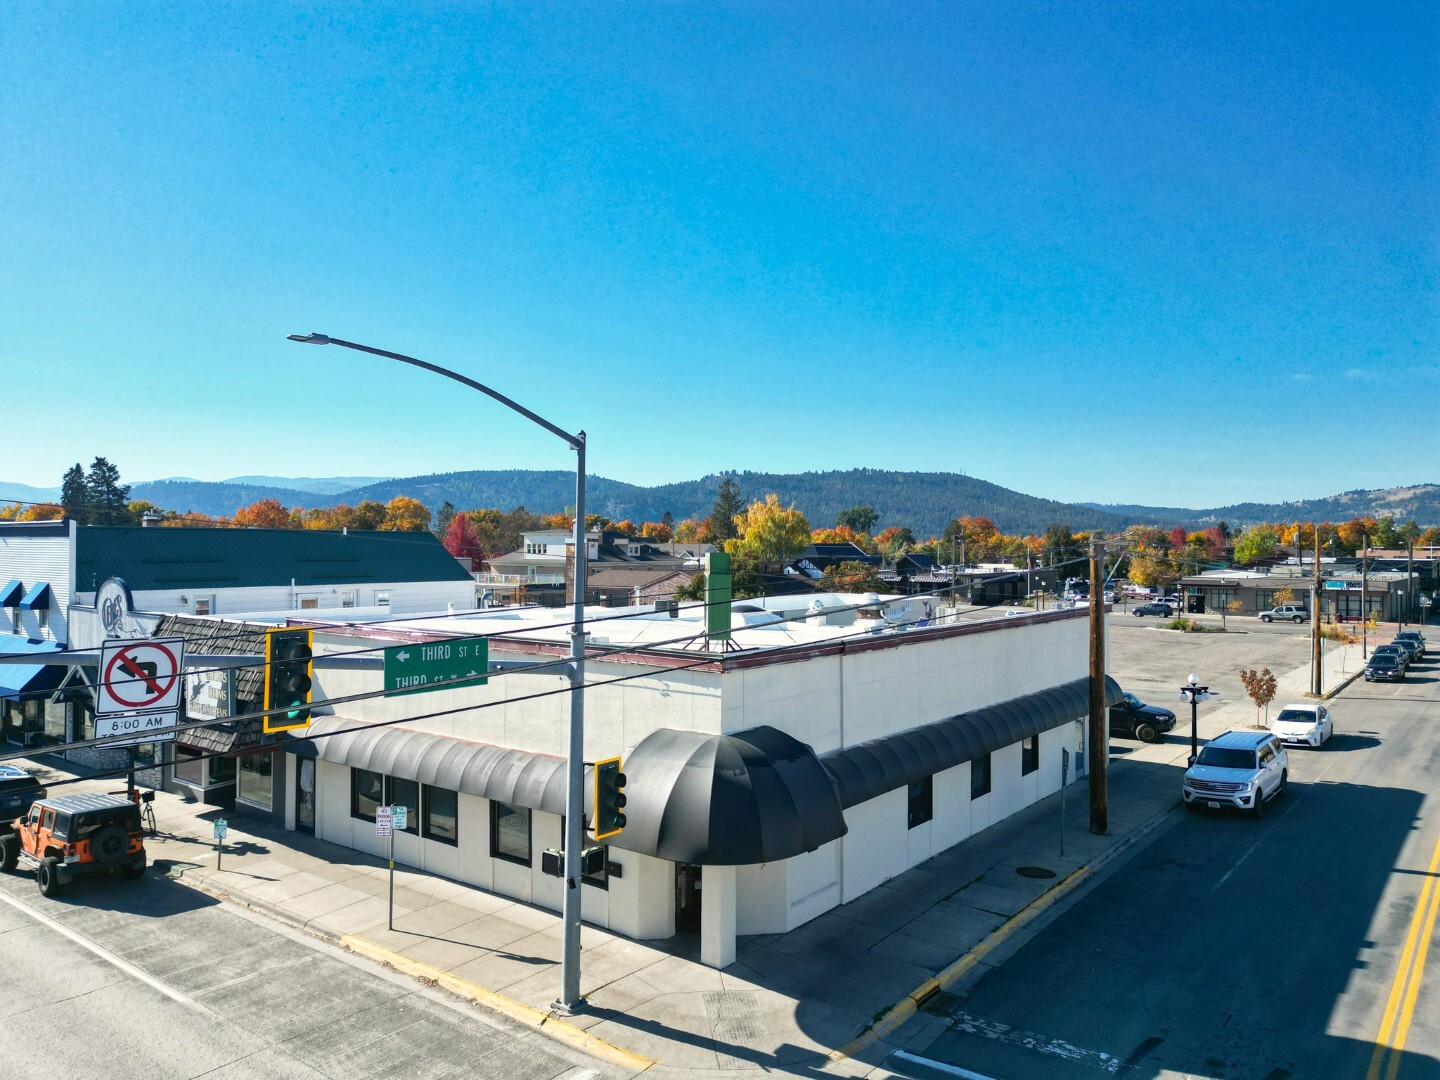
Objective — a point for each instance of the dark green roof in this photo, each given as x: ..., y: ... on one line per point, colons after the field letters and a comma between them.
x: 170, y: 558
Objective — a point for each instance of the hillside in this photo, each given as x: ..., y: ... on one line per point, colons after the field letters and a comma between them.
x: 1420, y: 502
x: 924, y: 501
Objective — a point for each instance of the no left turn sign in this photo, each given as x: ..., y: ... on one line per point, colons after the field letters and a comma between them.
x: 138, y: 676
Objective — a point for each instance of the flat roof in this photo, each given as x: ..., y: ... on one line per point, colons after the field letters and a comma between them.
x: 758, y: 625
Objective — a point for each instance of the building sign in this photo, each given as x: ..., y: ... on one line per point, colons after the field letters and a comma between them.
x: 209, y: 695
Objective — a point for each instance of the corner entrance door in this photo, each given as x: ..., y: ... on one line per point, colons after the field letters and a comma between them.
x: 305, y: 796
x: 687, y: 898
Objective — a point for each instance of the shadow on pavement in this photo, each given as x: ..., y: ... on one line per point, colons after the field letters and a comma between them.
x: 153, y: 896
x: 1170, y: 1001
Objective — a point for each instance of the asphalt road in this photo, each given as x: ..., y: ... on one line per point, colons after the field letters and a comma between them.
x: 116, y: 979
x: 1238, y: 948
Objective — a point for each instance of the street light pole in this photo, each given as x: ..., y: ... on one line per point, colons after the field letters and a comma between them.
x: 569, y: 999
x: 1193, y: 692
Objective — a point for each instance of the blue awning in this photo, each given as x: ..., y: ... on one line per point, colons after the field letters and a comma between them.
x: 10, y: 595
x: 17, y: 679
x: 38, y: 598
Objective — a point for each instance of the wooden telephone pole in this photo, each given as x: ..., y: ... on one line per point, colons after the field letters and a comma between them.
x: 1099, y: 741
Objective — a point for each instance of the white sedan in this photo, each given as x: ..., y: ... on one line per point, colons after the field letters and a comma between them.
x: 1311, y: 725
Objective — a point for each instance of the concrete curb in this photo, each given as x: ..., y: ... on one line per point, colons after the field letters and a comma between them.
x: 907, y: 1006
x: 551, y: 1025
x: 555, y: 1028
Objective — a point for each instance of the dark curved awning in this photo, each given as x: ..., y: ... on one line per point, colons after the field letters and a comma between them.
x: 866, y: 770
x: 514, y: 777
x: 727, y: 800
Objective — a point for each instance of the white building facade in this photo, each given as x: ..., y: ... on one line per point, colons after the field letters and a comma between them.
x: 769, y: 780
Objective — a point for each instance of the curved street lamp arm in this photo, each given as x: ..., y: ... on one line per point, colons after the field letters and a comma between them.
x: 576, y: 441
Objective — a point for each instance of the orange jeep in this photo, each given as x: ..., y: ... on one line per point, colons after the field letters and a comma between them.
x: 70, y: 835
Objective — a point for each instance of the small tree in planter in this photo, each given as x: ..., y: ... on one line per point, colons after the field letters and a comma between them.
x: 1261, y: 687
x: 1234, y: 607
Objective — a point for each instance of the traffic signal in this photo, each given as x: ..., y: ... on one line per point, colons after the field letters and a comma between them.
x: 288, y: 669
x: 609, y: 798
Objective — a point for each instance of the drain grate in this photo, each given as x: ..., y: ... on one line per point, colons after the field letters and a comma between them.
x: 1034, y: 871
x: 940, y: 1003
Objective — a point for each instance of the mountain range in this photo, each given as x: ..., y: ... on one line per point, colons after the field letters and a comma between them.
x: 925, y: 502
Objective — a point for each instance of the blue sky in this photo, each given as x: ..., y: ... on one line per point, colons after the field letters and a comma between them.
x: 1095, y: 252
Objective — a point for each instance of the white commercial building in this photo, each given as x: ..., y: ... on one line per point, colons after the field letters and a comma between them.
x: 830, y: 744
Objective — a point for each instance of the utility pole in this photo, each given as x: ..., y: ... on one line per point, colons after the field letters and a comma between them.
x: 1099, y: 741
x: 1409, y: 580
x: 1318, y: 681
x: 1364, y: 595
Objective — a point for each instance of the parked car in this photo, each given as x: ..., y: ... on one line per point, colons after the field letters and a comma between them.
x: 1400, y: 653
x: 71, y: 835
x: 1307, y: 724
x: 1163, y: 610
x: 18, y: 789
x: 1133, y: 719
x: 1384, y: 669
x: 1412, y: 635
x: 1285, y: 613
x: 1240, y: 770
x: 1412, y: 648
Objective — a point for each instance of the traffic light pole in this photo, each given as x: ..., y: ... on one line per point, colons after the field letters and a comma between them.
x: 570, y: 999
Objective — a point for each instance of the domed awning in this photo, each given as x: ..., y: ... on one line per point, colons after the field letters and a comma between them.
x: 727, y: 800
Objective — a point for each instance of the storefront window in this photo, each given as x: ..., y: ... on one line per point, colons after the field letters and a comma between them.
x: 253, y: 781
x: 367, y: 791
x: 406, y: 793
x: 510, y: 832
x: 442, y: 821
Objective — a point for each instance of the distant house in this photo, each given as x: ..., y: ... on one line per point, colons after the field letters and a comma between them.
x: 624, y: 586
x: 817, y: 558
x: 540, y: 569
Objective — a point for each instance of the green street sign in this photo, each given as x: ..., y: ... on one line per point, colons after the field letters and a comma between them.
x: 434, y: 665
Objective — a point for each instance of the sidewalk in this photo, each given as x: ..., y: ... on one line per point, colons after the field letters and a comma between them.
x: 828, y: 998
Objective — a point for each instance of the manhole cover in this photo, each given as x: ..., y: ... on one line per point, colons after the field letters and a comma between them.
x: 1034, y: 871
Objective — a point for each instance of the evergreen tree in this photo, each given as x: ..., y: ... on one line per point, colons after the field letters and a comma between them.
x: 443, y: 517
x: 109, y: 499
x: 74, y: 497
x: 860, y: 518
x: 728, y: 504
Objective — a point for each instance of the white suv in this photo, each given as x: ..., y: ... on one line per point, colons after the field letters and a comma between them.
x: 1287, y: 613
x: 1240, y: 770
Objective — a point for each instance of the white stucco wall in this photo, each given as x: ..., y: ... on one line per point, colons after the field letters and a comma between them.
x: 44, y: 557
x: 639, y: 903
x: 405, y: 597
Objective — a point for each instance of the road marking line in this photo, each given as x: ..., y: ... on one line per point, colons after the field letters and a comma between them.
x: 1395, y: 1024
x: 1030, y: 1040
x: 105, y: 954
x: 939, y: 1066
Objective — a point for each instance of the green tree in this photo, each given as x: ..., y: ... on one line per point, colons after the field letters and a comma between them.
x: 1256, y: 542
x: 73, y: 495
x: 860, y: 518
x: 769, y: 532
x: 692, y: 590
x: 108, y: 498
x: 443, y: 517
x: 728, y: 506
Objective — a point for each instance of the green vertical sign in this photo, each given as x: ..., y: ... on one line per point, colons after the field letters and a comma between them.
x: 717, y: 595
x: 434, y: 665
